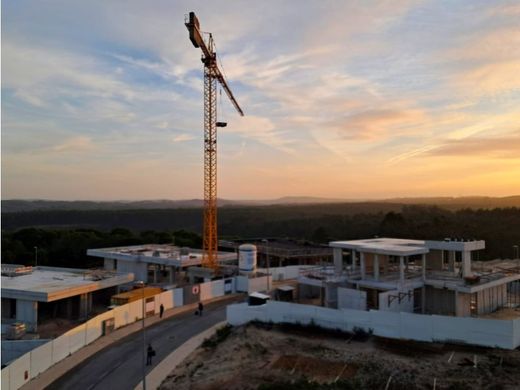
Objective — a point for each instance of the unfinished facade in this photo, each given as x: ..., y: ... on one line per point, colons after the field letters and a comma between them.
x: 159, y: 264
x: 430, y: 277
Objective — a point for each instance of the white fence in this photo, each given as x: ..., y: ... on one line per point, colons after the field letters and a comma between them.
x: 33, y: 363
x: 284, y: 273
x: 485, y: 332
x: 13, y: 349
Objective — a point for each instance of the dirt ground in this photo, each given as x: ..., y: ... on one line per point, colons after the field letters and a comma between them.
x: 288, y: 357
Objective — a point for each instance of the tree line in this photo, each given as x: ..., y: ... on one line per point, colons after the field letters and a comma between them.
x: 62, y: 237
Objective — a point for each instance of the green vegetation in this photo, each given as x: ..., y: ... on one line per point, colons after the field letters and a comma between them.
x: 62, y: 236
x: 220, y: 335
x: 68, y: 247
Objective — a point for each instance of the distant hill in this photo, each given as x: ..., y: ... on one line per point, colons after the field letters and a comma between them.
x: 452, y: 203
x: 473, y: 202
x: 17, y: 205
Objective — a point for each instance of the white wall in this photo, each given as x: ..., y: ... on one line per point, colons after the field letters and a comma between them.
x: 41, y: 358
x: 284, y: 273
x: 516, y: 327
x: 241, y: 283
x: 178, y: 297
x: 12, y: 349
x: 259, y: 284
x: 405, y: 305
x: 27, y: 312
x: 476, y: 331
x: 140, y: 270
x: 349, y: 298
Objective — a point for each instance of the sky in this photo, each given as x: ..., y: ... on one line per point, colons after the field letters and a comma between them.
x: 103, y: 100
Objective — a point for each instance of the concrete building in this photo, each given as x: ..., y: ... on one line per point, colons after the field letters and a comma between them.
x: 431, y: 277
x: 34, y: 294
x: 153, y: 263
x: 283, y: 252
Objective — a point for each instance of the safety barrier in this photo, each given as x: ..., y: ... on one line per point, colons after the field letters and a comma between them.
x: 475, y: 331
x: 36, y: 361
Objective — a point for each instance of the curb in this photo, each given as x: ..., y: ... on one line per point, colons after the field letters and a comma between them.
x: 168, y: 364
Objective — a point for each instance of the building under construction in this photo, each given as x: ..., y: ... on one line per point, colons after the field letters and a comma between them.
x: 430, y: 277
x: 282, y: 252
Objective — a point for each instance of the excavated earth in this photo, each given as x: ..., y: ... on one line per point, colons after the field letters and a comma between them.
x: 266, y: 357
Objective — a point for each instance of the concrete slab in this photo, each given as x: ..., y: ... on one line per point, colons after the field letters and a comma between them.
x: 47, y: 284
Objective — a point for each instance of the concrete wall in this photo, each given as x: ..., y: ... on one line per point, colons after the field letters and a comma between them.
x: 140, y: 270
x: 27, y: 312
x: 349, y: 298
x: 463, y: 306
x: 13, y: 349
x: 389, y: 301
x: 440, y: 301
x: 284, y: 273
x: 40, y: 359
x: 516, y: 329
x: 249, y: 285
x: 491, y: 299
x: 475, y: 331
x: 434, y: 260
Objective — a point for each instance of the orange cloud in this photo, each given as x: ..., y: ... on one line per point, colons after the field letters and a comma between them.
x: 379, y: 123
x: 494, y: 147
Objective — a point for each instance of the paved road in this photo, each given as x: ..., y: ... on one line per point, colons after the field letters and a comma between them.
x: 120, y: 366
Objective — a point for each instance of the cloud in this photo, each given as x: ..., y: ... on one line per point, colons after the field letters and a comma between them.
x: 182, y: 138
x: 75, y: 144
x: 506, y: 147
x: 378, y: 123
x: 260, y: 129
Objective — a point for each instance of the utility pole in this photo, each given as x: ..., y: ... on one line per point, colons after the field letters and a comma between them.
x: 141, y: 283
x: 267, y: 260
x: 35, y: 256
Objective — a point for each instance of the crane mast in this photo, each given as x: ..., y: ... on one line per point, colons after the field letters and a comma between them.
x: 212, y: 75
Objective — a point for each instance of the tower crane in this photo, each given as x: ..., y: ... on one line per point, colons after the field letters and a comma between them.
x: 212, y: 75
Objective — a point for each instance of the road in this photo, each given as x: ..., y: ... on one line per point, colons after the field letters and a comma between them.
x: 119, y: 366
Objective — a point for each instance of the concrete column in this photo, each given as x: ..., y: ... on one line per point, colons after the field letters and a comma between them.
x: 109, y: 264
x: 338, y: 260
x: 424, y: 266
x: 172, y: 275
x: 27, y: 312
x: 353, y: 260
x: 362, y: 264
x: 456, y: 302
x: 451, y: 261
x: 68, y: 308
x: 423, y: 299
x: 83, y: 306
x: 466, y: 264
x: 401, y: 269
x: 376, y: 266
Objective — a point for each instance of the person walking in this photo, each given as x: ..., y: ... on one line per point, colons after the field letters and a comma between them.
x: 161, y: 310
x: 201, y: 307
x: 149, y: 354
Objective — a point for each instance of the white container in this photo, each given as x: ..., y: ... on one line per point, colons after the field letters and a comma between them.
x: 247, y: 258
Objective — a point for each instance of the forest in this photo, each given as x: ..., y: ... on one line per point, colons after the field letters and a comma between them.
x: 63, y: 236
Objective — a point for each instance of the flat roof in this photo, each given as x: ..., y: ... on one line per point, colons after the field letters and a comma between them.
x: 259, y: 295
x: 406, y: 247
x: 164, y: 254
x: 47, y: 284
x: 386, y: 246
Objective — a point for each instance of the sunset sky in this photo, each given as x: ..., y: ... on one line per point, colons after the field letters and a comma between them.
x: 103, y: 99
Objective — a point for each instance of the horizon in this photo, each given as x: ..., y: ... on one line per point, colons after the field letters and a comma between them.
x: 300, y: 197
x: 342, y: 100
